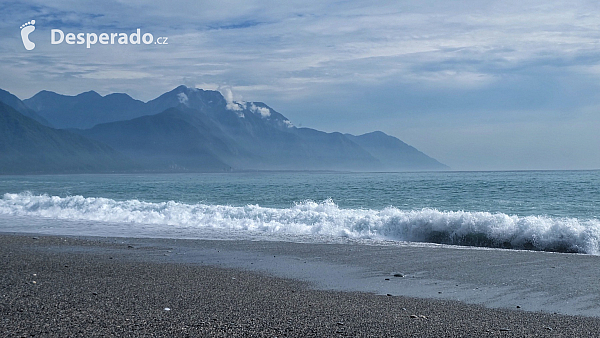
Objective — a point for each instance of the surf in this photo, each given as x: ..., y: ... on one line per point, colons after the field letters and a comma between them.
x: 325, y: 218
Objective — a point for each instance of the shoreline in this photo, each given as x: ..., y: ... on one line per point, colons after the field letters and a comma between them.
x: 124, y: 286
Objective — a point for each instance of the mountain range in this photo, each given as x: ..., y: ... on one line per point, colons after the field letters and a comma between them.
x: 29, y: 147
x: 183, y: 130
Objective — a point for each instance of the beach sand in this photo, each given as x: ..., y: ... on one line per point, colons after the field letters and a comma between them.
x: 84, y: 287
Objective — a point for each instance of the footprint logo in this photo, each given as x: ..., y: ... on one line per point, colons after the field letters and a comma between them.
x: 26, y: 29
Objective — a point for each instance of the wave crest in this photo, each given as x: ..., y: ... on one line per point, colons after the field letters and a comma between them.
x: 483, y: 229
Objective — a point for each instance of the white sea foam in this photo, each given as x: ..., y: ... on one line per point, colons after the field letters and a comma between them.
x: 326, y: 219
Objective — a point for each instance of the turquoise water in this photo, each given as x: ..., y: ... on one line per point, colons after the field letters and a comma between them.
x: 545, y: 210
x: 552, y: 193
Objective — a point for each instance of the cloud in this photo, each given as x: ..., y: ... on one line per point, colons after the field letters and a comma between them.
x: 263, y: 111
x: 333, y: 65
x: 325, y: 45
x: 183, y: 98
x: 232, y: 105
x: 115, y: 75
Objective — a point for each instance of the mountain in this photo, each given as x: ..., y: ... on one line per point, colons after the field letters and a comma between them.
x: 27, y: 146
x: 265, y: 139
x: 19, y: 106
x: 250, y: 135
x: 189, y: 129
x: 84, y: 110
x: 395, y: 154
x: 168, y: 141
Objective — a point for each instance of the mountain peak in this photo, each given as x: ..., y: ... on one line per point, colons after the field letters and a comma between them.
x: 187, y: 90
x: 181, y: 88
x: 377, y: 133
x: 89, y: 94
x: 119, y: 96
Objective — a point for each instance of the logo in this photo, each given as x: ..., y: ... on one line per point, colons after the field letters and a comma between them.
x: 26, y: 29
x: 57, y: 37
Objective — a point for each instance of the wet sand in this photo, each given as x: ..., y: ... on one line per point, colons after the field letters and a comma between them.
x: 67, y: 286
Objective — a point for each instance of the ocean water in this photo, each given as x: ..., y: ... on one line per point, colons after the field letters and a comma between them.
x: 532, y: 210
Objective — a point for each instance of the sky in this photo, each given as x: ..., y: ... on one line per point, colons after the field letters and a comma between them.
x: 478, y: 85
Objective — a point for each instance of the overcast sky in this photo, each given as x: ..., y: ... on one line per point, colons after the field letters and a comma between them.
x: 478, y: 85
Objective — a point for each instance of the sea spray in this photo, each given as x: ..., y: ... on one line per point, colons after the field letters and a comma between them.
x: 485, y: 229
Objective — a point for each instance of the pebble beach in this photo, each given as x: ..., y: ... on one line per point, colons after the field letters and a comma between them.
x: 81, y: 287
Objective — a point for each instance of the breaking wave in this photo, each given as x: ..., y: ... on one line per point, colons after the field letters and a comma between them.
x: 484, y: 229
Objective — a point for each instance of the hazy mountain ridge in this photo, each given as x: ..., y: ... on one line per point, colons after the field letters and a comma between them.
x: 189, y: 129
x: 165, y: 142
x: 84, y: 110
x: 27, y: 146
x: 393, y: 153
x: 19, y: 106
x: 259, y: 137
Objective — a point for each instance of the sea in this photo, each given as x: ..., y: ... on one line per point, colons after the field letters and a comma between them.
x: 515, y: 210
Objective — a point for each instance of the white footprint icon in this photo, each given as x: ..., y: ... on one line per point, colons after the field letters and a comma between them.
x: 26, y: 29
